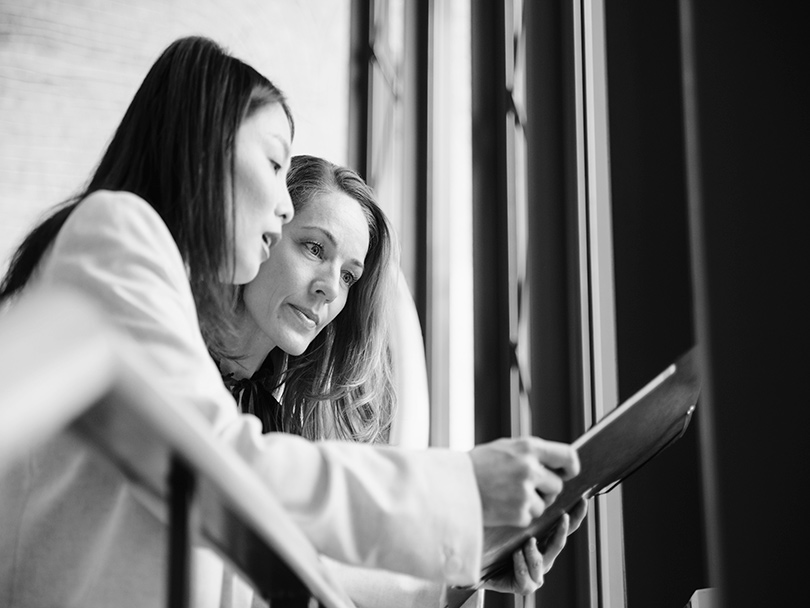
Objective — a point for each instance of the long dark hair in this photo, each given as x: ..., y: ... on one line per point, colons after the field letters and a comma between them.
x: 342, y: 384
x: 173, y: 148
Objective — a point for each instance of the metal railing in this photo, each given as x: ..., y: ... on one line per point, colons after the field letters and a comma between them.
x: 76, y: 373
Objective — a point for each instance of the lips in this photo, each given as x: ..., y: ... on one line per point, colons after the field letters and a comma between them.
x: 267, y: 242
x: 307, y: 315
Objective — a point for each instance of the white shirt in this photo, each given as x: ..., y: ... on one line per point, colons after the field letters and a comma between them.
x: 73, y: 534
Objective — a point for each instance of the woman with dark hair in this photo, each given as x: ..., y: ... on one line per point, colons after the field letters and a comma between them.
x: 174, y: 150
x: 313, y: 335
x: 187, y: 201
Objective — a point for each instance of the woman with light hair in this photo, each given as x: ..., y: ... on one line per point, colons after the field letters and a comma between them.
x: 315, y: 356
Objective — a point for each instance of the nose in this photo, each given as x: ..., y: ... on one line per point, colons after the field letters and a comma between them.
x: 284, y: 209
x: 327, y: 284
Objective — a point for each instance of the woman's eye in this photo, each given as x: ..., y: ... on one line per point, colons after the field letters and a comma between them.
x: 349, y: 278
x: 315, y: 249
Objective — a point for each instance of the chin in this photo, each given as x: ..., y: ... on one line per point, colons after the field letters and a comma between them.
x: 295, y: 348
x: 298, y: 350
x: 245, y: 274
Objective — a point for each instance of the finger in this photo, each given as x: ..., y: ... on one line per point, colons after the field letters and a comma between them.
x: 548, y: 483
x: 521, y: 572
x: 578, y: 515
x: 536, y: 506
x: 555, y: 455
x: 556, y: 543
x: 534, y: 560
x: 523, y: 581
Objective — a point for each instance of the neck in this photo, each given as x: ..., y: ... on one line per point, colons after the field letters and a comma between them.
x: 252, y: 344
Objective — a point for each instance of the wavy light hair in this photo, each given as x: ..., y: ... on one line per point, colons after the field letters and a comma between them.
x: 342, y: 385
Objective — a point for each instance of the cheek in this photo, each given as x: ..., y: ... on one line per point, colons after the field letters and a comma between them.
x: 246, y: 216
x: 246, y: 258
x: 264, y: 295
x: 337, y: 307
x: 252, y: 195
x: 237, y: 235
x: 258, y: 300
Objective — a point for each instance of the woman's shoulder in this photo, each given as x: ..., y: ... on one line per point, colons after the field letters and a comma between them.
x: 114, y: 228
x: 117, y: 206
x: 122, y: 217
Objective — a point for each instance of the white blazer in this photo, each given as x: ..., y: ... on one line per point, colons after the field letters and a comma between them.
x: 73, y: 534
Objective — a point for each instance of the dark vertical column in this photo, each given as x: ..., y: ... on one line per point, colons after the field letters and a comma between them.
x: 552, y: 246
x: 490, y: 228
x: 360, y: 57
x: 181, y: 498
x: 417, y: 150
x: 553, y: 269
x: 493, y: 352
x: 653, y: 288
x: 747, y: 158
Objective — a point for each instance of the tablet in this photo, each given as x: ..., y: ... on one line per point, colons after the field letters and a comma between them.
x: 617, y: 445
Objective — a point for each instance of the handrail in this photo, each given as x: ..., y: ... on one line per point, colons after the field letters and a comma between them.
x: 60, y: 358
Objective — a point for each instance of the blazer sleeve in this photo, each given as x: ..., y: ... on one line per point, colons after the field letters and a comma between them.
x: 410, y: 511
x: 373, y: 588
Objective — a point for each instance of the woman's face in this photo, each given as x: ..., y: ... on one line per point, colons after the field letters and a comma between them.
x: 305, y: 282
x: 261, y: 199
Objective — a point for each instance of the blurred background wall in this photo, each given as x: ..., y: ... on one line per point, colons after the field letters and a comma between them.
x: 68, y: 69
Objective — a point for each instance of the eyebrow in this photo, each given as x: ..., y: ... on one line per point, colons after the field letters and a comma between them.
x: 331, y: 238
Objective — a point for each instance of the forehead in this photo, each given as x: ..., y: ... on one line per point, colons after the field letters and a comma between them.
x: 269, y: 123
x: 339, y: 215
